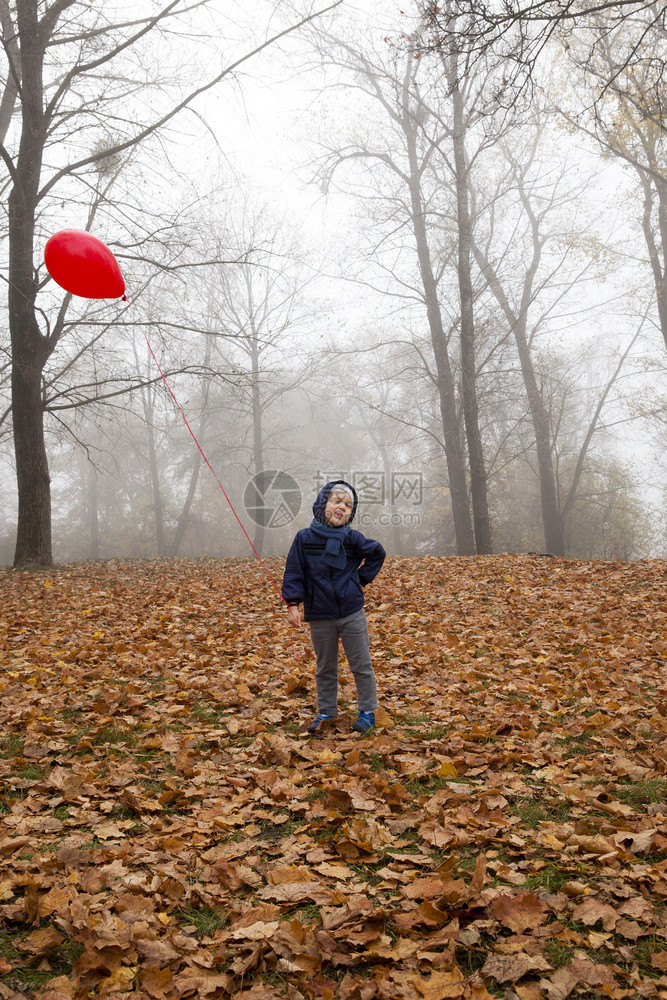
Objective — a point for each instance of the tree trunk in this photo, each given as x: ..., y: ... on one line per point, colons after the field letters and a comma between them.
x: 93, y: 512
x: 30, y: 350
x: 657, y: 261
x: 478, y: 479
x: 13, y: 52
x: 257, y: 431
x: 552, y: 521
x: 33, y: 537
x: 154, y: 471
x: 184, y: 519
x: 465, y: 542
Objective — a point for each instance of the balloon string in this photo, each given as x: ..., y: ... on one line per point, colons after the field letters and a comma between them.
x: 215, y: 476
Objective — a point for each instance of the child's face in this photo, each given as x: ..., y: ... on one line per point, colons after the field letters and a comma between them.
x: 338, y: 510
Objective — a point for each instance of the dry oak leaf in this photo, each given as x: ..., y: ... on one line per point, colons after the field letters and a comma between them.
x: 635, y: 843
x: 296, y: 892
x: 42, y: 941
x: 160, y: 952
x: 433, y: 887
x: 630, y: 929
x: 577, y: 971
x: 201, y: 982
x: 659, y: 960
x: 526, y: 991
x: 397, y: 950
x: 637, y: 907
x: 593, y: 844
x: 350, y: 989
x: 288, y: 873
x: 258, y: 931
x: 156, y: 981
x: 441, y: 985
x: 382, y: 719
x: 591, y: 910
x: 368, y: 834
x: 341, y: 872
x: 520, y: 913
x: 509, y: 968
x: 118, y: 983
x: 60, y: 988
x: 436, y: 835
x: 258, y: 992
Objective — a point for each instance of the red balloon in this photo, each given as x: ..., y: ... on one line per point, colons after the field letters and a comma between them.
x: 83, y: 265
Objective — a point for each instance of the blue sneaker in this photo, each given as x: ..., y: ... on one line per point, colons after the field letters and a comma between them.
x: 364, y: 722
x: 318, y: 720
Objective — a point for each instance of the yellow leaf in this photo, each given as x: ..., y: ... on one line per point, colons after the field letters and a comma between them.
x: 447, y: 770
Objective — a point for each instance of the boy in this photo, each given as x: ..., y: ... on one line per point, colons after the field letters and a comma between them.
x: 327, y: 566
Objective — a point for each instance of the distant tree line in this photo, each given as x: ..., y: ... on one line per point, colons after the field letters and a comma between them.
x: 518, y: 301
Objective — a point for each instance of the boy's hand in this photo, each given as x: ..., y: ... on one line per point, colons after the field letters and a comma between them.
x: 294, y: 614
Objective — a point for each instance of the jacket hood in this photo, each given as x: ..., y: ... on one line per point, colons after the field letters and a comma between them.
x: 323, y: 496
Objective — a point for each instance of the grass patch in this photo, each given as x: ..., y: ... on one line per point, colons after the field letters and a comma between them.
x: 11, y: 745
x: 574, y: 744
x: 206, y: 711
x: 29, y: 976
x: 436, y: 732
x: 642, y: 793
x: 557, y: 953
x: 551, y: 878
x: 306, y: 915
x: 472, y: 959
x: 426, y: 785
x: 278, y: 831
x: 534, y: 812
x: 206, y: 920
x: 415, y: 723
x: 115, y: 734
x: 644, y: 951
x: 31, y: 772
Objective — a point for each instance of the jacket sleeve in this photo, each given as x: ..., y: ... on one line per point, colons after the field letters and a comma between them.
x: 293, y: 589
x: 373, y: 555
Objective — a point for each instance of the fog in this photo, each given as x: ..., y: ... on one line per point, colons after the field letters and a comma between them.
x: 353, y: 257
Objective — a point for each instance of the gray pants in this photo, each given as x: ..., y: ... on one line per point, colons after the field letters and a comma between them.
x: 353, y: 631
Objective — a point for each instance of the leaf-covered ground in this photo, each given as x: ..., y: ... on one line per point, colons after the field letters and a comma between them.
x: 167, y: 829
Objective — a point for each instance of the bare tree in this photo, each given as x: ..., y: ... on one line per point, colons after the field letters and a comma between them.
x: 622, y: 95
x: 521, y: 35
x: 71, y: 69
x: 259, y: 313
x: 398, y: 167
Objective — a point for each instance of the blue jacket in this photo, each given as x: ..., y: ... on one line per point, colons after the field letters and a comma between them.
x: 327, y: 592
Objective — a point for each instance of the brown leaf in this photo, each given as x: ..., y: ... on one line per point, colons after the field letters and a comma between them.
x: 440, y: 985
x: 510, y: 968
x: 520, y: 913
x: 42, y: 941
x: 156, y: 981
x: 58, y: 988
x: 659, y: 960
x: 296, y: 892
x: 592, y: 910
x: 433, y: 887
